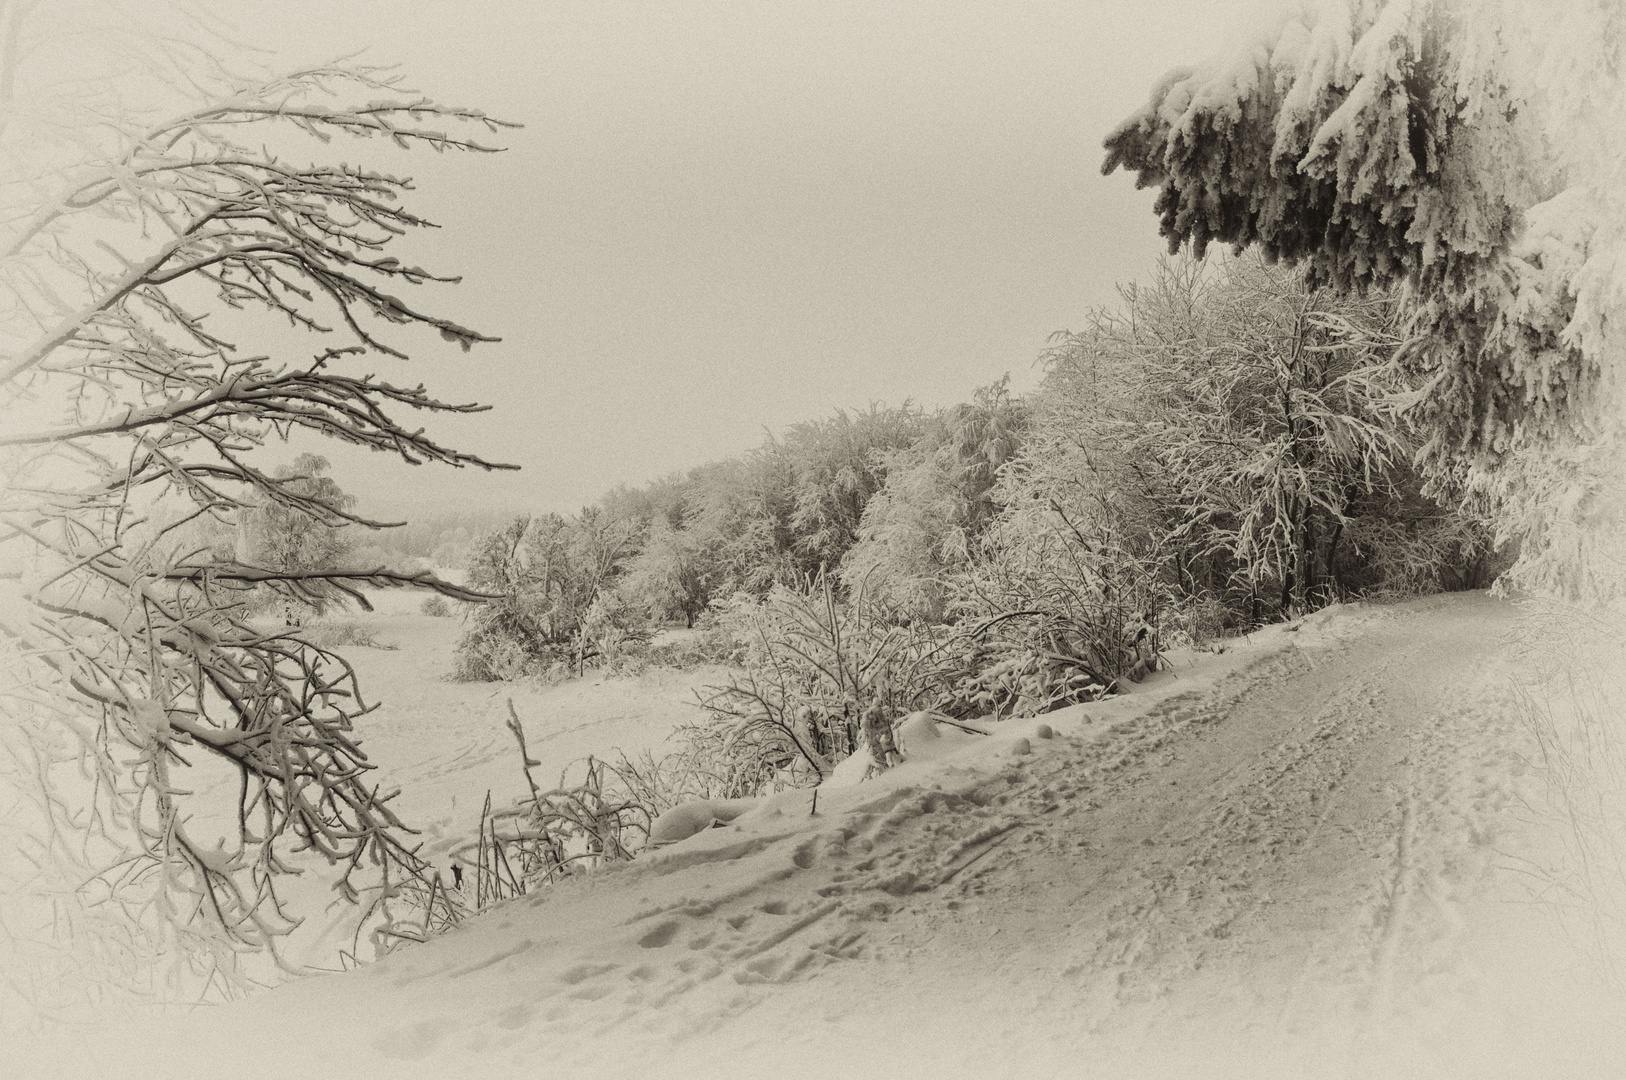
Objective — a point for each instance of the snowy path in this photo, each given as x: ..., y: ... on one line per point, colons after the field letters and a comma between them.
x: 1307, y: 857
x: 1287, y: 870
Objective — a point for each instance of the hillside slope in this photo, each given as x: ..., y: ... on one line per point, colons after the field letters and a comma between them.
x: 1315, y: 854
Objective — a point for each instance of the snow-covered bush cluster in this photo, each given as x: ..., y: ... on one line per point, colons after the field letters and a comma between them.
x: 555, y: 608
x: 1230, y: 431
x: 814, y: 665
x: 1218, y: 451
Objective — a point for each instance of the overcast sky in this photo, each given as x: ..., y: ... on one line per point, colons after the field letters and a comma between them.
x: 722, y: 217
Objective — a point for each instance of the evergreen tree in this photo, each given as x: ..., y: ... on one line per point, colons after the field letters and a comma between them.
x: 1475, y: 153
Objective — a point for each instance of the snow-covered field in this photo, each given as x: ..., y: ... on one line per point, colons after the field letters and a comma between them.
x: 1335, y: 849
x: 445, y: 744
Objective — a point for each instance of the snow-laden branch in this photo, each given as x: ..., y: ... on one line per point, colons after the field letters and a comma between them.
x: 146, y: 425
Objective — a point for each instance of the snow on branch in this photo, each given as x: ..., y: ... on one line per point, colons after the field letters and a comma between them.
x: 1469, y: 151
x: 121, y: 622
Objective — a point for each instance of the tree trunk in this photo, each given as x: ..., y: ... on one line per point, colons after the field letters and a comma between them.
x: 1332, y: 556
x: 1307, y: 552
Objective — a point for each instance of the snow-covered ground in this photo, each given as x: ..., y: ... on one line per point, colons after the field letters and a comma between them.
x: 445, y: 744
x: 1331, y: 850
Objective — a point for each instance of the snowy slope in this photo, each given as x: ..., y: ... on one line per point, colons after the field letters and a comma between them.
x: 1310, y: 855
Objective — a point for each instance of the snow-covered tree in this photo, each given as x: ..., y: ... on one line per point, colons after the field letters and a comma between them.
x: 1474, y: 152
x: 1235, y: 419
x: 136, y: 253
x: 837, y: 464
x: 546, y: 573
x: 742, y: 517
x: 673, y: 575
x: 911, y: 538
x: 279, y: 536
x: 938, y: 496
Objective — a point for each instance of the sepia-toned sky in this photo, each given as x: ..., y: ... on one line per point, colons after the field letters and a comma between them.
x: 722, y: 217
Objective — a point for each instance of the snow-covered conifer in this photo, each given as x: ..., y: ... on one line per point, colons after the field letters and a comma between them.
x: 1473, y: 151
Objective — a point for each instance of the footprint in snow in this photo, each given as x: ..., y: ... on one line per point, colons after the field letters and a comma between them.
x: 514, y: 1016
x: 414, y: 1042
x: 661, y: 936
x: 582, y: 972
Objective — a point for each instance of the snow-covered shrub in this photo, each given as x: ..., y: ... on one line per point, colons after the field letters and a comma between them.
x: 1195, y: 621
x: 555, y: 603
x: 340, y: 633
x: 586, y: 820
x: 715, y: 643
x: 436, y: 606
x: 1236, y: 427
x: 813, y: 663
x: 602, y: 810
x: 1054, y: 613
x: 614, y: 634
x: 500, y: 644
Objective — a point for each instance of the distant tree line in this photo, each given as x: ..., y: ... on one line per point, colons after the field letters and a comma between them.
x: 1217, y: 451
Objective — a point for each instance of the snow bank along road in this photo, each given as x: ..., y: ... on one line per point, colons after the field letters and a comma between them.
x: 1320, y: 853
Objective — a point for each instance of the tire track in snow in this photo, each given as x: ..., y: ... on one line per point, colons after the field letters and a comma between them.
x: 1393, y: 920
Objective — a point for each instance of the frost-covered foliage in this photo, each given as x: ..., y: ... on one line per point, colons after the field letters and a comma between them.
x: 552, y: 578
x: 938, y: 497
x: 814, y: 665
x: 673, y: 575
x: 740, y: 517
x: 1475, y: 152
x: 776, y: 517
x: 1057, y: 609
x: 138, y: 250
x: 1230, y: 424
x: 783, y: 512
x: 299, y: 538
x: 597, y: 813
x: 838, y: 465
